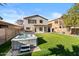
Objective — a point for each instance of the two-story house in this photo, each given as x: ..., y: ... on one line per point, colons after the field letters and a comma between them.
x: 35, y: 23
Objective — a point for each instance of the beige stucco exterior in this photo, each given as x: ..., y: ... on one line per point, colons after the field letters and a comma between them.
x: 7, y: 31
x: 57, y: 25
x: 37, y: 25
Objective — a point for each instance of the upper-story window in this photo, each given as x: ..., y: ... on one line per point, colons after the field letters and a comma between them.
x: 27, y: 28
x: 41, y: 21
x: 59, y: 26
x: 31, y: 21
x: 56, y: 22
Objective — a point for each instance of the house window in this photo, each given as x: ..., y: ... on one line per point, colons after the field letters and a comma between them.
x: 52, y: 29
x: 40, y: 28
x: 59, y: 26
x: 56, y: 22
x: 35, y: 29
x: 27, y: 28
x: 31, y: 21
x: 41, y: 21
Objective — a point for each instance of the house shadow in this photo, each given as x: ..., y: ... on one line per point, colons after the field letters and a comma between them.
x: 61, y: 51
x: 40, y: 41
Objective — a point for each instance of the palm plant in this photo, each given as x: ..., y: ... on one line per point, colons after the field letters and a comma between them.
x: 2, y: 4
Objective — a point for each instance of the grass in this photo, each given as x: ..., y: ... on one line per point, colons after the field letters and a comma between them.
x: 4, y: 48
x: 47, y: 41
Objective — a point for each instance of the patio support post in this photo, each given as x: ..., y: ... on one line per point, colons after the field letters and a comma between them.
x: 43, y: 29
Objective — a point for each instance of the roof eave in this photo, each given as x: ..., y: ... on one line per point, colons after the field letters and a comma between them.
x: 34, y: 16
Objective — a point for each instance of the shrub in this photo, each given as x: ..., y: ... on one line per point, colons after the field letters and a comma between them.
x: 4, y: 48
x: 42, y: 53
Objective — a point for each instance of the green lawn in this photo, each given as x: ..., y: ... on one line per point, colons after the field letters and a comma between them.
x: 57, y: 44
x: 4, y: 48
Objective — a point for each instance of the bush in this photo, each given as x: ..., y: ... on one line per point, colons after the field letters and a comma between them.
x: 4, y: 48
x: 42, y: 53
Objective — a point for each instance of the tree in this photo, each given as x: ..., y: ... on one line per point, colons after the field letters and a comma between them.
x: 71, y: 18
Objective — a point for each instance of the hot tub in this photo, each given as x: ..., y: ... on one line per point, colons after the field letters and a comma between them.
x: 24, y: 39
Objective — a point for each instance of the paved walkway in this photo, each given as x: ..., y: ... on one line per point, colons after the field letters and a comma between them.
x: 15, y: 53
x: 12, y: 53
x: 9, y: 53
x: 36, y: 49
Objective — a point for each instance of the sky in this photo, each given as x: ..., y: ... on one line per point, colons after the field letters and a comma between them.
x: 14, y: 11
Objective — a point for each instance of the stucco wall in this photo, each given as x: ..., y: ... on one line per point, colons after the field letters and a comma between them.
x: 45, y: 22
x: 10, y: 33
x: 56, y: 26
x: 6, y: 34
x: 2, y: 36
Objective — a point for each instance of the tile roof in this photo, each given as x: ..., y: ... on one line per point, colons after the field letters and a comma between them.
x: 35, y: 16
